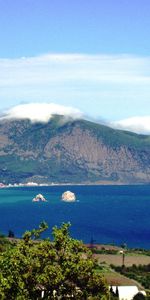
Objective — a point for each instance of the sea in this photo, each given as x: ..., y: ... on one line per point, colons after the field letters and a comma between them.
x: 115, y: 215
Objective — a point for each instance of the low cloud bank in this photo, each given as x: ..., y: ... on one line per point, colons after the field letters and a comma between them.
x: 140, y: 125
x: 41, y: 112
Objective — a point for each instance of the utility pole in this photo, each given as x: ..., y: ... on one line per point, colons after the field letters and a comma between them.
x: 123, y: 258
x: 92, y: 243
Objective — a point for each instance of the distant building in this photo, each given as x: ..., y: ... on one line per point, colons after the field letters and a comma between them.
x: 2, y: 185
x: 126, y: 292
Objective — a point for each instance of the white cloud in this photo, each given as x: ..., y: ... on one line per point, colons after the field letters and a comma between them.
x: 40, y: 112
x: 43, y: 112
x: 108, y: 86
x: 62, y: 68
x: 135, y: 124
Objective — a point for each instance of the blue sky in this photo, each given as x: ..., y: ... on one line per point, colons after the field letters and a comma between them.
x: 32, y: 27
x: 91, y: 55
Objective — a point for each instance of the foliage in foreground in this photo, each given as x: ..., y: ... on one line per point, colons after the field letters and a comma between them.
x: 63, y: 268
x: 4, y: 243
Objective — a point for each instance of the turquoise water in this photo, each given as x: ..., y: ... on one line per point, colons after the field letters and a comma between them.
x: 108, y: 214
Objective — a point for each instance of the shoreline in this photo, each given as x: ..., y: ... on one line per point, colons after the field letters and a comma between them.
x: 101, y: 183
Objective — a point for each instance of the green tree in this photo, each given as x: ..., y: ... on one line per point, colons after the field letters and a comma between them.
x: 11, y: 234
x: 4, y: 243
x: 139, y: 296
x: 63, y: 268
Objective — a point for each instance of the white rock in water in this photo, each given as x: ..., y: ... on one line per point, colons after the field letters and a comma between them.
x: 38, y: 198
x: 68, y: 196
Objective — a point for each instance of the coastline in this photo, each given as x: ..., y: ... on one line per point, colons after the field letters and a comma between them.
x: 97, y: 183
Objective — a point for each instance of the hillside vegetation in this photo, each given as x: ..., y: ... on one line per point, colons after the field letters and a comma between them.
x: 71, y: 151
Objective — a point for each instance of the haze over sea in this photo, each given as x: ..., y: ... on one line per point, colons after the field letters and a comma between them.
x: 107, y: 214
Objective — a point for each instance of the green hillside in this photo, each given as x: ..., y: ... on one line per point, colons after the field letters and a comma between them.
x: 67, y: 150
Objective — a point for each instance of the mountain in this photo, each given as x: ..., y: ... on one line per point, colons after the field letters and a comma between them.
x: 71, y: 151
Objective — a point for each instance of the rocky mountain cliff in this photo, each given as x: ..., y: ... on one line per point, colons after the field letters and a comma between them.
x: 73, y: 151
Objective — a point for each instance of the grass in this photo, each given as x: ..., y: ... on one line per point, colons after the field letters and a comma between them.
x: 116, y: 259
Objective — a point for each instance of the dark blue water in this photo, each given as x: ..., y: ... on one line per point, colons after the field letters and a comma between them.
x: 108, y: 214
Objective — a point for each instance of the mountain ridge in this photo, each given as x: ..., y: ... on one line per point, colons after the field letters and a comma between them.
x: 71, y: 151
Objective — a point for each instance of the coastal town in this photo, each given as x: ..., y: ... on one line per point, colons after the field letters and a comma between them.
x: 28, y: 184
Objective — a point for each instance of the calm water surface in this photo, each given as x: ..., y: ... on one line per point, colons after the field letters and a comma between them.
x: 108, y: 214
